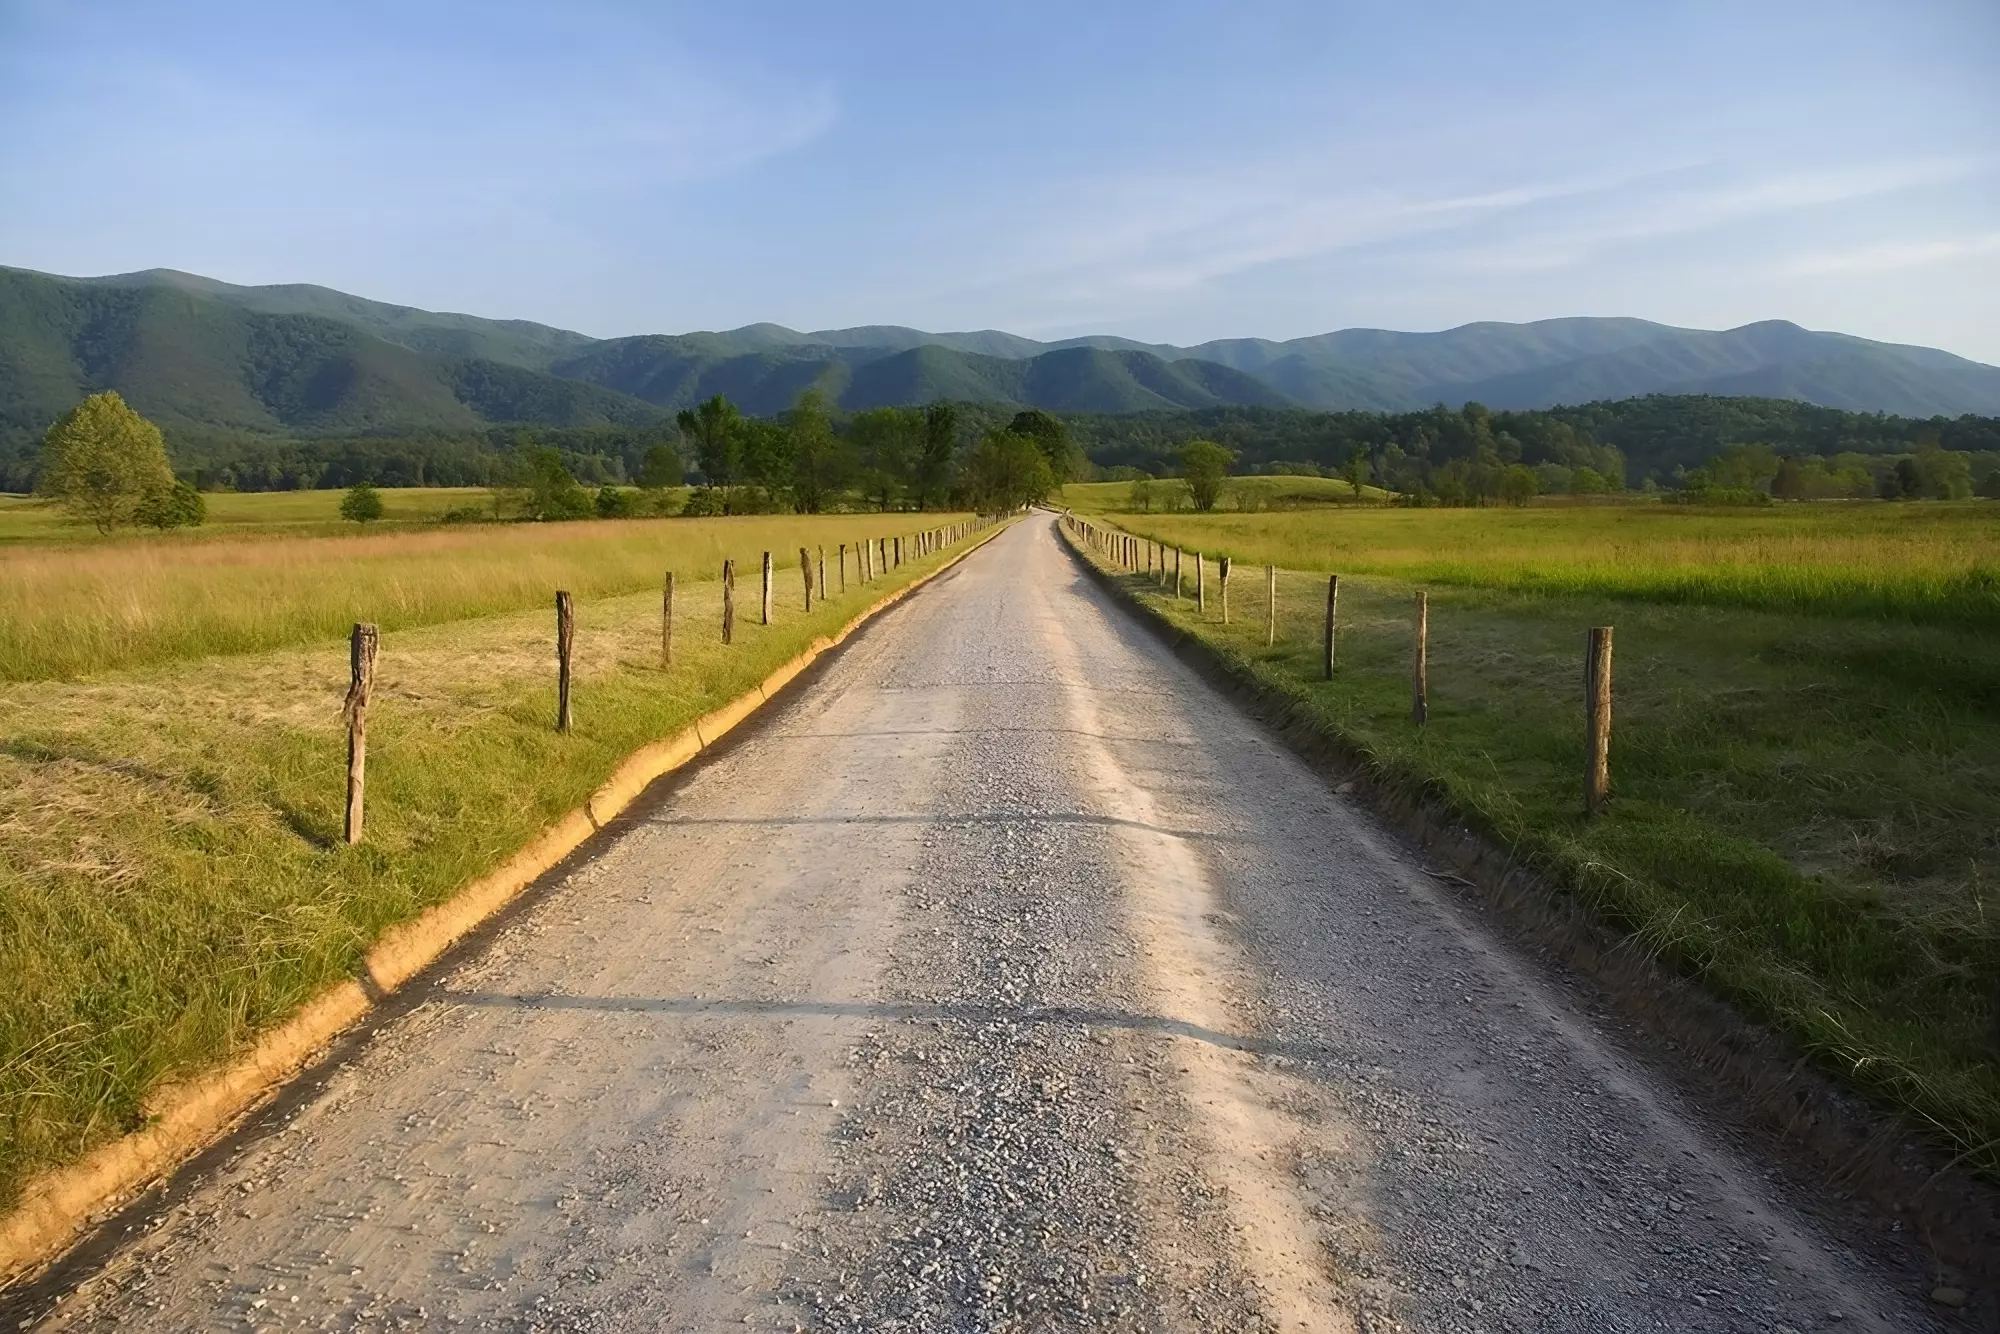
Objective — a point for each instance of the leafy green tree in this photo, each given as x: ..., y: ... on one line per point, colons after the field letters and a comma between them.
x: 822, y: 463
x: 1204, y: 465
x: 1005, y: 471
x: 1051, y: 436
x: 715, y: 426
x: 1357, y: 468
x: 615, y: 502
x: 939, y: 452
x: 662, y: 467
x: 1588, y: 482
x: 105, y: 464
x: 1789, y: 483
x: 362, y: 504
x: 544, y: 492
x: 179, y: 506
x: 1942, y: 474
x: 766, y: 450
x: 886, y: 442
x: 1518, y: 484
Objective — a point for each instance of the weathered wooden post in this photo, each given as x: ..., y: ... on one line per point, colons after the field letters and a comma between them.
x: 1177, y: 574
x: 1420, y: 688
x: 667, y: 622
x: 1222, y: 572
x: 819, y: 578
x: 1597, y: 719
x: 767, y: 588
x: 728, y: 600
x: 565, y: 642
x: 843, y: 567
x: 806, y: 575
x: 360, y: 684
x: 1332, y: 617
x: 1200, y: 586
x: 1270, y: 605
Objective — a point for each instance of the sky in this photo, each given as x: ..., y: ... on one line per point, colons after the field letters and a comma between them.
x: 1168, y: 171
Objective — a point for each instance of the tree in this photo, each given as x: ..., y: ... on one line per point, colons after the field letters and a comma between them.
x: 1518, y: 484
x: 1204, y: 465
x: 939, y: 451
x: 662, y: 467
x: 1588, y: 482
x: 1357, y: 468
x: 362, y: 504
x: 106, y: 464
x: 179, y: 506
x: 885, y: 442
x: 715, y: 427
x: 821, y: 462
x: 615, y: 502
x: 544, y: 491
x: 1789, y: 483
x: 1005, y: 471
x: 1051, y: 436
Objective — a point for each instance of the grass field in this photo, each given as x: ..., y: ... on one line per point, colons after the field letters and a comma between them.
x: 1244, y: 494
x: 1807, y: 808
x: 237, y: 514
x: 66, y: 611
x: 1930, y: 562
x: 172, y: 879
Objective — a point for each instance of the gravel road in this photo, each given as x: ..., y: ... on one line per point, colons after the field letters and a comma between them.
x: 1003, y: 978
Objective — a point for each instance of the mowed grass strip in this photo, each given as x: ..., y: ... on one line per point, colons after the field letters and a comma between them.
x: 68, y: 611
x: 172, y: 880
x: 1932, y: 562
x: 1806, y: 809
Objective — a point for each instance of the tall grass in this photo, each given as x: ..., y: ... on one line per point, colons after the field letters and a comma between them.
x: 1922, y: 562
x: 66, y: 612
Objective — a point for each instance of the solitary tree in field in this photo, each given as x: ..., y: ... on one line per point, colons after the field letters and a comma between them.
x: 1357, y: 469
x: 107, y: 466
x: 715, y: 428
x: 1204, y: 465
x: 362, y: 504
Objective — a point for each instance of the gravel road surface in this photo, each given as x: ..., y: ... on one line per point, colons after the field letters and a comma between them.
x: 1003, y: 978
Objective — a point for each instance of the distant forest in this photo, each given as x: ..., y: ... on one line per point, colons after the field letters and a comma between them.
x: 1656, y: 442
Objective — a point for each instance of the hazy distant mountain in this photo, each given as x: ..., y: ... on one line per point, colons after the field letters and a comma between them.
x: 203, y: 355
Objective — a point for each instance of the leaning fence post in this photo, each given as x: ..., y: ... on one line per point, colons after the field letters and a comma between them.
x: 806, y: 575
x: 1222, y: 572
x: 1420, y: 702
x: 565, y: 642
x: 1597, y: 719
x: 1270, y: 605
x: 667, y: 622
x: 728, y: 600
x: 767, y: 588
x: 1332, y: 618
x: 360, y: 683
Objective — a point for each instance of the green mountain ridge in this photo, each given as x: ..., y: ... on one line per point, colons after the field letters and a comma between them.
x: 208, y: 358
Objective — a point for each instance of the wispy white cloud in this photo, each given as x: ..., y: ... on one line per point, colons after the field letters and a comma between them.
x: 1891, y: 256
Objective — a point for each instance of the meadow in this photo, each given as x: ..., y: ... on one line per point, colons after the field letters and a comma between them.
x: 239, y: 514
x: 1805, y: 765
x: 172, y: 875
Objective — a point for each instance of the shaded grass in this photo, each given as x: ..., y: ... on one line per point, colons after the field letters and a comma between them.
x: 66, y: 612
x: 240, y: 513
x: 1806, y: 813
x: 172, y: 880
x: 1926, y: 562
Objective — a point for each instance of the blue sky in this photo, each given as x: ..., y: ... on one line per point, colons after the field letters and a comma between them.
x: 1170, y: 171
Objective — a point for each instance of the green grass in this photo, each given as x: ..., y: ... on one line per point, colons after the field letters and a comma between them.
x: 1935, y: 563
x: 68, y: 611
x: 27, y: 519
x: 1806, y: 801
x: 172, y: 880
x: 1242, y: 494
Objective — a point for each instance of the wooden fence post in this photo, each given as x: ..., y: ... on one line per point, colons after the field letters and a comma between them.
x: 1222, y: 573
x: 819, y: 580
x: 1420, y: 687
x: 360, y: 684
x: 806, y: 575
x: 565, y: 643
x: 1597, y: 720
x: 767, y: 588
x: 728, y: 600
x: 667, y: 622
x: 1177, y: 574
x: 843, y: 567
x: 1200, y: 586
x: 1332, y: 618
x: 1270, y: 605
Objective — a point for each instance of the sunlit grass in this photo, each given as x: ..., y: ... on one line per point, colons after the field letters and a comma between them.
x: 66, y: 611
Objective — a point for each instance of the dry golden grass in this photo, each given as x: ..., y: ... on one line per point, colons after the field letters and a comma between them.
x: 67, y: 611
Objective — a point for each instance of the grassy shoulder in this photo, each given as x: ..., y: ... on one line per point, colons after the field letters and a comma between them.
x: 172, y: 880
x: 1804, y: 809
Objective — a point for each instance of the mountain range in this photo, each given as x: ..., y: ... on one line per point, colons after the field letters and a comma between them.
x: 203, y: 356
